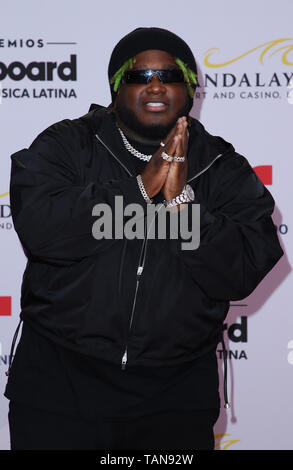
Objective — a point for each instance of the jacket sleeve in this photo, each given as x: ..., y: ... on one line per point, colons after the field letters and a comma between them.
x: 51, y: 207
x: 238, y: 239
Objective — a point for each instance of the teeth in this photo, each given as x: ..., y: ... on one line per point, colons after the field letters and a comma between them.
x: 155, y: 104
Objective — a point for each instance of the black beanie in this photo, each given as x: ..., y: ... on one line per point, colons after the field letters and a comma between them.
x: 142, y: 39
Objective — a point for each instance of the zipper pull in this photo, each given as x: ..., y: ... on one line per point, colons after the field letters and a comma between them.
x: 124, y: 360
x: 139, y: 272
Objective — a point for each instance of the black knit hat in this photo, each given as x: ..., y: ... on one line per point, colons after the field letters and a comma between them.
x: 142, y: 39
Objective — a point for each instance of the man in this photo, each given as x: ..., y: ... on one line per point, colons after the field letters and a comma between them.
x: 119, y: 337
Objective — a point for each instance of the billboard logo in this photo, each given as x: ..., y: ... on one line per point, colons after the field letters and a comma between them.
x: 5, y: 306
x: 39, y: 71
x: 237, y: 333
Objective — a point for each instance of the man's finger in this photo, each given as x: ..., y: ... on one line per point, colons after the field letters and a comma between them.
x: 179, y: 153
x: 171, y: 146
x: 185, y: 140
x: 171, y: 134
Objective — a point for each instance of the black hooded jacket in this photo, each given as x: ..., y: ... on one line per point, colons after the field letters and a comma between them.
x: 89, y: 295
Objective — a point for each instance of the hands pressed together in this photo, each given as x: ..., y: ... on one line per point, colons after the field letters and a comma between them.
x: 170, y: 177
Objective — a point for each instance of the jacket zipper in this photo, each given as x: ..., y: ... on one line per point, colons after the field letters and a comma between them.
x: 141, y: 267
x: 138, y: 274
x: 139, y: 271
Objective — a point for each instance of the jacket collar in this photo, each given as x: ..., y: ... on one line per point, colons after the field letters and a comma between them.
x: 204, y: 148
x: 103, y: 126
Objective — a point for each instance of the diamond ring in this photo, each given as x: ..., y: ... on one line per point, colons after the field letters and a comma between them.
x: 167, y: 157
x: 179, y: 159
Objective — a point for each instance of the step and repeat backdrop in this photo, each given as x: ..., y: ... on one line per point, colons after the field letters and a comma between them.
x: 53, y: 65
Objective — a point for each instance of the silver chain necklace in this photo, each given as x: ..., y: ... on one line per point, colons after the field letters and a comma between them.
x: 132, y: 150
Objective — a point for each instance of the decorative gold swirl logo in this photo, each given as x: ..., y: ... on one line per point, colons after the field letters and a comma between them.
x: 265, y: 48
x: 223, y: 445
x: 4, y: 194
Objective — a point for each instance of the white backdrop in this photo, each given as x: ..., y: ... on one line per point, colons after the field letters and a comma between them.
x: 244, y: 53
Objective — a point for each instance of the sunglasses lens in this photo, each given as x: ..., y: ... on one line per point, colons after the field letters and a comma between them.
x: 145, y: 76
x: 171, y: 76
x: 135, y: 76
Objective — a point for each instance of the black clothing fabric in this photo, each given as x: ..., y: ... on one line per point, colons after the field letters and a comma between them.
x: 142, y: 39
x: 49, y: 377
x: 100, y: 343
x: 83, y: 293
x: 46, y: 376
x: 32, y: 429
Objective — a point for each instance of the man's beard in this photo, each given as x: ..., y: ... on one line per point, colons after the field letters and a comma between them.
x: 153, y: 131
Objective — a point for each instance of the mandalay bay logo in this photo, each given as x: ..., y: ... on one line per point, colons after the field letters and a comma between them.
x: 268, y: 72
x: 267, y: 48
